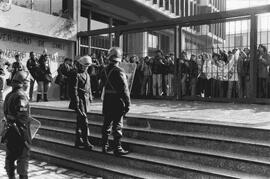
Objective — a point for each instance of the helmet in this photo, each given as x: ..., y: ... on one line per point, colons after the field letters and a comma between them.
x: 85, y: 61
x: 20, y: 77
x: 115, y: 54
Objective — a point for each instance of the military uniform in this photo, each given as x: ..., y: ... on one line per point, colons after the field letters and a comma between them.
x: 116, y: 103
x: 18, y: 136
x: 81, y: 97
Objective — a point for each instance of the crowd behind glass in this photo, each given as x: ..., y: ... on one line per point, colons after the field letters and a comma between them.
x: 215, y: 74
x: 218, y: 74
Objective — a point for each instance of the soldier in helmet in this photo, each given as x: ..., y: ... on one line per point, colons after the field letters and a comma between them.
x: 17, y: 136
x: 82, y: 96
x: 116, y: 101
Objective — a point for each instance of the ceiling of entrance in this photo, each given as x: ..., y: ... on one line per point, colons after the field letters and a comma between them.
x: 131, y: 10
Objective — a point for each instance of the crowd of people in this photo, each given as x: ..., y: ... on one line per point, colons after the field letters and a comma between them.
x: 221, y: 74
x: 39, y: 69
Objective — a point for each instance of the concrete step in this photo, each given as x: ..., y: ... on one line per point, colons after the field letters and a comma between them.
x: 174, y: 125
x: 161, y: 165
x: 90, y: 166
x: 213, y: 158
x: 197, y: 140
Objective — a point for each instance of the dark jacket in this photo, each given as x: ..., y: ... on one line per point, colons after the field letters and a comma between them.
x: 117, y: 95
x: 43, y: 70
x: 17, y: 66
x: 61, y: 79
x: 193, y: 69
x: 158, y: 65
x: 81, y: 94
x: 32, y: 67
x: 16, y: 110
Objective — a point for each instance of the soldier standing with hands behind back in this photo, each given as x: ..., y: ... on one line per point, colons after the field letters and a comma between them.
x: 18, y: 135
x: 116, y: 101
x: 81, y: 96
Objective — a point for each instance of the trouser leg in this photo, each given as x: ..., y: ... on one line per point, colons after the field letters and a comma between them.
x: 45, y: 91
x: 39, y: 92
x: 15, y: 151
x: 154, y: 84
x: 62, y: 91
x: 106, y: 130
x: 1, y: 88
x: 22, y: 163
x: 230, y: 86
x: 78, y: 140
x: 117, y: 130
x: 10, y: 165
x: 143, y: 87
x: 32, y: 83
x: 183, y: 85
x: 193, y: 86
x: 159, y: 82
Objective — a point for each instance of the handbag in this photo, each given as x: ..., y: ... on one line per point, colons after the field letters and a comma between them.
x: 48, y: 77
x: 59, y: 79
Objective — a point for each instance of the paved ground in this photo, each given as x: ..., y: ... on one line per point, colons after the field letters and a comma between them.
x: 244, y: 114
x: 43, y: 170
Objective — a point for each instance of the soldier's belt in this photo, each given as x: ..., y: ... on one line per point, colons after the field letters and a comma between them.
x: 110, y: 92
x: 11, y: 117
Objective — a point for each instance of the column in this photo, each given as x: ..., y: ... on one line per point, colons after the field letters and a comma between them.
x: 110, y: 34
x: 74, y: 7
x: 89, y: 28
x: 253, y: 59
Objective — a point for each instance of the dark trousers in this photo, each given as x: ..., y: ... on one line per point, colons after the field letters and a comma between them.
x: 31, y: 89
x: 116, y: 120
x: 81, y: 128
x: 64, y: 91
x: 19, y: 153
x: 261, y: 88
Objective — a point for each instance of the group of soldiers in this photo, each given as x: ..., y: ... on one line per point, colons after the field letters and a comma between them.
x: 116, y: 103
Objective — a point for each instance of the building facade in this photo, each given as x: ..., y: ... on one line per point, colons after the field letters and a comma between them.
x: 35, y: 25
x: 104, y: 14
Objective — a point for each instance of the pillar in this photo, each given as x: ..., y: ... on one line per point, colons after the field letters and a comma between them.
x: 253, y: 59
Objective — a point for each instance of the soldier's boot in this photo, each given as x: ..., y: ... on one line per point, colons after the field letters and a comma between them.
x: 11, y: 176
x: 106, y: 148
x: 118, y: 150
x: 39, y: 97
x: 86, y: 144
x: 23, y: 177
x: 78, y: 140
x: 45, y: 97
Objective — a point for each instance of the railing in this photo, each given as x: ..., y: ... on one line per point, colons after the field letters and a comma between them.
x: 209, y: 57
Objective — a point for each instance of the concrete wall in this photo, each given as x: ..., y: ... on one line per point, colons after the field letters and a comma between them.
x: 35, y: 22
x: 11, y: 45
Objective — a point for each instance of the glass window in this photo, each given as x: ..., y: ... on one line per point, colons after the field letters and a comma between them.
x: 83, y: 24
x: 98, y: 25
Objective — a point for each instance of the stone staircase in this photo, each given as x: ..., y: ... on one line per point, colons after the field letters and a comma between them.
x: 161, y: 148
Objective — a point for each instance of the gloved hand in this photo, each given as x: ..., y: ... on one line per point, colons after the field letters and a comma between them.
x: 91, y: 99
x: 79, y: 112
x: 126, y: 110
